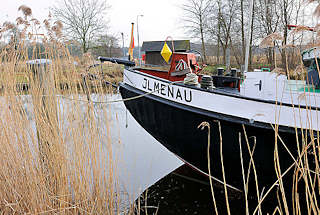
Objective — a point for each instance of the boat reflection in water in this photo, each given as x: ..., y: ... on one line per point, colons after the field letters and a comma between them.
x: 141, y: 160
x: 170, y: 186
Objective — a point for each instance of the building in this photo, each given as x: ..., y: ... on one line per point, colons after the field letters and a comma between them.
x: 153, y: 49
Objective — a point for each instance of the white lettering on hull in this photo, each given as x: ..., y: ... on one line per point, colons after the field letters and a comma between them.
x: 167, y: 90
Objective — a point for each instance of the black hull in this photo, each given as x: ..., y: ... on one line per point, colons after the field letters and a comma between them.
x: 176, y: 127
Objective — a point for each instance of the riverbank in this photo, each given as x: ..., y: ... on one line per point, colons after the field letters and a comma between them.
x: 69, y: 78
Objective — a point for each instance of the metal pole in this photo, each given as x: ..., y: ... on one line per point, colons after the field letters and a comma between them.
x: 248, y: 36
x: 138, y: 39
x: 228, y: 55
x: 124, y: 53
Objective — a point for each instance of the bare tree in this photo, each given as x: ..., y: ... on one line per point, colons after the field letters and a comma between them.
x: 289, y: 11
x: 83, y: 19
x: 223, y: 24
x: 267, y: 21
x: 274, y: 16
x: 196, y: 13
x: 107, y: 45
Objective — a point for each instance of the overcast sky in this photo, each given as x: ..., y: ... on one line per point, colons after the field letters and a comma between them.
x: 161, y: 18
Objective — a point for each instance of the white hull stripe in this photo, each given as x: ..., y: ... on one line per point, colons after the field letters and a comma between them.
x: 251, y: 110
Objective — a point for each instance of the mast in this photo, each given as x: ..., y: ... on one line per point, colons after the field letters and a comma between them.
x: 248, y: 36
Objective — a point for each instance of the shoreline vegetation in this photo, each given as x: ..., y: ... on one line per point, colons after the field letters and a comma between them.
x: 55, y: 154
x: 55, y: 157
x: 71, y: 77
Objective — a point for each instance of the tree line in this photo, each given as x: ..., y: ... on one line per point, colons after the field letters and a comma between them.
x: 81, y: 24
x: 220, y: 24
x: 225, y: 24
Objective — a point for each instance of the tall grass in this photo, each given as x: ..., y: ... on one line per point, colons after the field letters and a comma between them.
x: 299, y: 193
x: 56, y: 154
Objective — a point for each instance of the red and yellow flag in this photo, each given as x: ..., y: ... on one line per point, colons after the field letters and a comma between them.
x: 131, y: 47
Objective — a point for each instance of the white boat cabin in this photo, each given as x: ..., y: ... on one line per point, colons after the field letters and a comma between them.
x: 276, y: 87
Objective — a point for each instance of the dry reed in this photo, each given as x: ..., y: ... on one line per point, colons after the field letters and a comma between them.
x: 304, y: 188
x: 74, y: 170
x: 56, y: 154
x: 202, y: 126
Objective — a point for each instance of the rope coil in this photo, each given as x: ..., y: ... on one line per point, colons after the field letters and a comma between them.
x: 191, y: 79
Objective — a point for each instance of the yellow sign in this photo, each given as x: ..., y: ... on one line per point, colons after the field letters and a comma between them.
x: 166, y: 52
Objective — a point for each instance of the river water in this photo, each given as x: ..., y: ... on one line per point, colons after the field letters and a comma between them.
x: 168, y: 185
x: 140, y: 160
x: 147, y: 170
x: 143, y: 160
x: 147, y: 173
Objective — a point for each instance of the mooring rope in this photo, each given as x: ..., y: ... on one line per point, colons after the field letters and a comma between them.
x: 120, y: 100
x: 191, y: 79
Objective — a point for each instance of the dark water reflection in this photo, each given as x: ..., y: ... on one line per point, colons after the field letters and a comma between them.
x: 185, y: 191
x: 139, y: 159
x: 142, y: 161
x: 153, y: 177
x: 168, y: 186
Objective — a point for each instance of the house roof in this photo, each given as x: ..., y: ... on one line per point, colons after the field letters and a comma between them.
x: 156, y: 46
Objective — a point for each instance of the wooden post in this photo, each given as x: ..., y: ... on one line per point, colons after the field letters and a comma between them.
x: 45, y: 112
x: 85, y: 87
